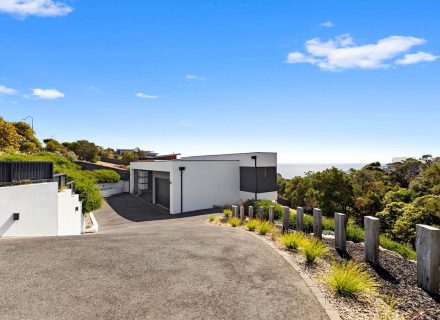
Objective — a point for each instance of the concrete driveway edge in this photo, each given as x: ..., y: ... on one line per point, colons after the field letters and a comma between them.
x: 325, y: 304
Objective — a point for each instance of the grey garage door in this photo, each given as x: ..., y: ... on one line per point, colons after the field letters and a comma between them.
x: 163, y: 192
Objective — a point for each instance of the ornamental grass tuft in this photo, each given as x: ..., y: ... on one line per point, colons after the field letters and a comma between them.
x: 234, y: 222
x: 350, y: 279
x: 227, y: 213
x: 251, y: 224
x: 263, y: 227
x: 212, y: 217
x: 292, y: 240
x: 312, y: 249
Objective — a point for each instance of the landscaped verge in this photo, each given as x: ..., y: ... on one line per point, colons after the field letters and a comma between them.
x: 395, y: 295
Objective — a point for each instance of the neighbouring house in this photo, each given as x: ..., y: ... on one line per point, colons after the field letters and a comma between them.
x: 202, y: 182
x: 34, y: 202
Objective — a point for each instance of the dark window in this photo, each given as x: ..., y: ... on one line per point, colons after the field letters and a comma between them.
x: 266, y: 176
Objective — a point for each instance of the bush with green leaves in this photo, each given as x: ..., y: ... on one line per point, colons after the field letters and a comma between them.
x: 227, y: 213
x: 404, y: 250
x: 106, y: 176
x: 212, y: 217
x: 292, y: 240
x: 278, y: 209
x: 350, y: 279
x: 251, y: 224
x: 263, y: 227
x: 312, y: 248
x: 355, y: 233
x: 307, y: 221
x: 234, y: 222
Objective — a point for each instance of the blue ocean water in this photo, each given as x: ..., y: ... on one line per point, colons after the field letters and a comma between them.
x: 290, y: 170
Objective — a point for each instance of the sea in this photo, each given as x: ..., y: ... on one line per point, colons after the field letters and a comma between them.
x: 290, y: 170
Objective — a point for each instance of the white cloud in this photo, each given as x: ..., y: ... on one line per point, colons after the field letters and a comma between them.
x: 418, y: 57
x: 42, y: 8
x: 193, y: 77
x: 342, y: 53
x: 145, y: 96
x: 6, y: 90
x: 47, y: 94
x: 327, y: 24
x: 94, y: 89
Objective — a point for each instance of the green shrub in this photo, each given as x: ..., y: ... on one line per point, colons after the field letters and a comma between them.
x: 355, y: 233
x: 212, y: 217
x: 328, y: 223
x: 312, y: 248
x: 278, y: 209
x: 89, y: 195
x: 251, y: 224
x: 292, y: 240
x: 234, y: 222
x: 404, y: 250
x: 263, y: 227
x: 350, y: 278
x: 105, y: 176
x: 227, y: 213
x: 307, y: 221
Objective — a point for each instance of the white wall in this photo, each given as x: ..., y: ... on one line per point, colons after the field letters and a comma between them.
x: 38, y: 208
x: 109, y: 189
x: 264, y: 159
x: 272, y: 196
x: 205, y: 184
x: 69, y: 213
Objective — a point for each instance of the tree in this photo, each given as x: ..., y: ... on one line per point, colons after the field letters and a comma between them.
x: 428, y: 182
x: 9, y: 138
x: 85, y: 150
x: 128, y: 157
x: 53, y: 145
x: 388, y: 216
x: 28, y: 142
x: 403, y: 172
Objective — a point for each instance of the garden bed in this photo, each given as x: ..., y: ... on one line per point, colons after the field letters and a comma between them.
x: 398, y: 296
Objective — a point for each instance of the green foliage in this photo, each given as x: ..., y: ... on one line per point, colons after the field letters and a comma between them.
x: 71, y: 156
x: 212, y: 217
x: 53, y: 145
x: 328, y: 223
x: 292, y: 240
x: 263, y: 227
x: 274, y: 233
x: 227, y: 213
x: 278, y: 209
x: 350, y: 279
x: 307, y: 221
x: 89, y: 195
x: 399, y: 195
x: 234, y: 222
x: 390, y: 214
x: 423, y: 210
x: 106, y: 176
x: 9, y: 138
x: 251, y: 224
x: 355, y: 233
x: 85, y: 150
x: 313, y: 248
x: 403, y: 249
x: 404, y: 172
x: 128, y: 157
x: 28, y: 142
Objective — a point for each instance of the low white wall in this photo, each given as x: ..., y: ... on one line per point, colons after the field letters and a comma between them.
x: 69, y: 213
x: 109, y: 189
x: 37, y: 205
x: 260, y: 196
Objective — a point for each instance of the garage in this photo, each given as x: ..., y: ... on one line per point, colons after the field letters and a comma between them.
x: 162, y: 192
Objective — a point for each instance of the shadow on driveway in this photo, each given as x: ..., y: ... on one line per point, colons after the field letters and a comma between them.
x: 135, y: 209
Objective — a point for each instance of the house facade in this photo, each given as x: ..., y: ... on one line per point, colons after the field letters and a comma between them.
x: 202, y: 182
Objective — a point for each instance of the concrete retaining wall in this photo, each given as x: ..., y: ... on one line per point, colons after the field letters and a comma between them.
x: 109, y: 189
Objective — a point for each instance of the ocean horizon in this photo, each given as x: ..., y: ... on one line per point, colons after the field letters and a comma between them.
x: 290, y: 170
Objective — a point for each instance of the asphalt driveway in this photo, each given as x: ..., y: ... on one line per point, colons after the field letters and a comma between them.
x: 145, y: 264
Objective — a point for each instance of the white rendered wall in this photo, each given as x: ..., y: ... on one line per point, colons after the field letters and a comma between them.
x: 109, y: 189
x: 272, y: 196
x: 38, y: 208
x: 205, y: 184
x: 165, y: 166
x: 264, y: 159
x: 69, y: 219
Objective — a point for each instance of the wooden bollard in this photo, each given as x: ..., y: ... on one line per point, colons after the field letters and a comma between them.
x: 260, y: 213
x: 428, y: 257
x: 271, y: 214
x: 372, y: 229
x: 317, y: 223
x: 251, y: 212
x: 241, y: 213
x: 286, y: 219
x: 340, y: 234
x: 299, y: 219
x: 235, y: 211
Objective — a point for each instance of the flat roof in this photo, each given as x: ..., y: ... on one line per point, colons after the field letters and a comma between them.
x: 229, y: 154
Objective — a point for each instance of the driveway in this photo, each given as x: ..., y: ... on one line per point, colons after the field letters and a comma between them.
x: 146, y: 264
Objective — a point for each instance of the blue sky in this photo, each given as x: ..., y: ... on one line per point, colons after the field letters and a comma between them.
x: 315, y: 81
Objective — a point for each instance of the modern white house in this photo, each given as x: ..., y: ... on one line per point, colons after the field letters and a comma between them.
x: 202, y: 182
